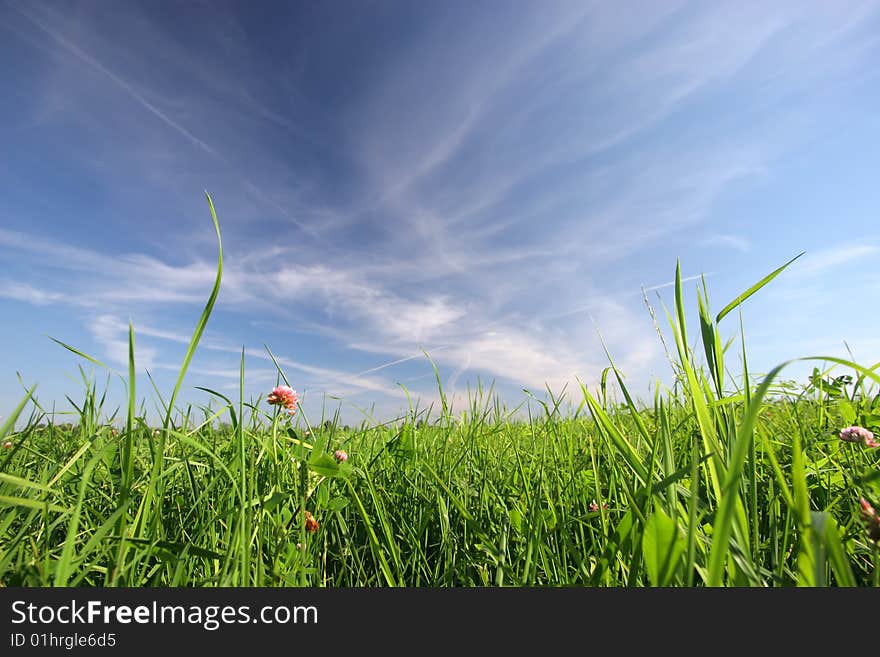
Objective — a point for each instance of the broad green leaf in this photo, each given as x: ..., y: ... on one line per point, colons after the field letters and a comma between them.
x: 847, y: 412
x: 663, y: 544
x: 406, y: 445
x: 324, y: 464
x: 337, y: 504
x: 836, y: 554
x: 516, y: 519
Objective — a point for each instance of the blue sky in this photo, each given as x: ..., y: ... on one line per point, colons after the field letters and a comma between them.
x: 491, y: 182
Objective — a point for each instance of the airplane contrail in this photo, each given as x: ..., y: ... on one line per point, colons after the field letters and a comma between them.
x: 83, y: 56
x: 671, y: 283
x: 396, y: 362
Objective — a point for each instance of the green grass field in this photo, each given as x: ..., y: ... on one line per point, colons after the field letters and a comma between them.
x: 716, y: 482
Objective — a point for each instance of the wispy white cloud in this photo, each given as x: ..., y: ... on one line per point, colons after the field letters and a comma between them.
x: 398, y: 361
x: 28, y: 293
x: 731, y: 241
x: 825, y: 260
x: 394, y: 324
x: 128, y: 88
x: 112, y: 335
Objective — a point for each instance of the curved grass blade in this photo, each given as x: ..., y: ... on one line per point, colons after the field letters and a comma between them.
x: 757, y: 286
x: 224, y: 398
x: 277, y: 366
x: 155, y: 488
x: 10, y: 421
x: 78, y: 352
x: 206, y: 313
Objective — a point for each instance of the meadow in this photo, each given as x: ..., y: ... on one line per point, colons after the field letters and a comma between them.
x: 718, y: 481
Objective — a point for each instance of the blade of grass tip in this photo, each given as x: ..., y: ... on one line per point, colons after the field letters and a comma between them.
x: 603, y: 387
x: 757, y: 286
x: 224, y: 398
x: 679, y: 304
x: 605, y: 425
x: 277, y: 366
x: 694, y: 393
x: 37, y: 403
x: 634, y: 411
x: 10, y: 421
x: 711, y: 341
x: 443, y: 404
x: 156, y: 390
x: 78, y: 352
x: 686, y: 366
